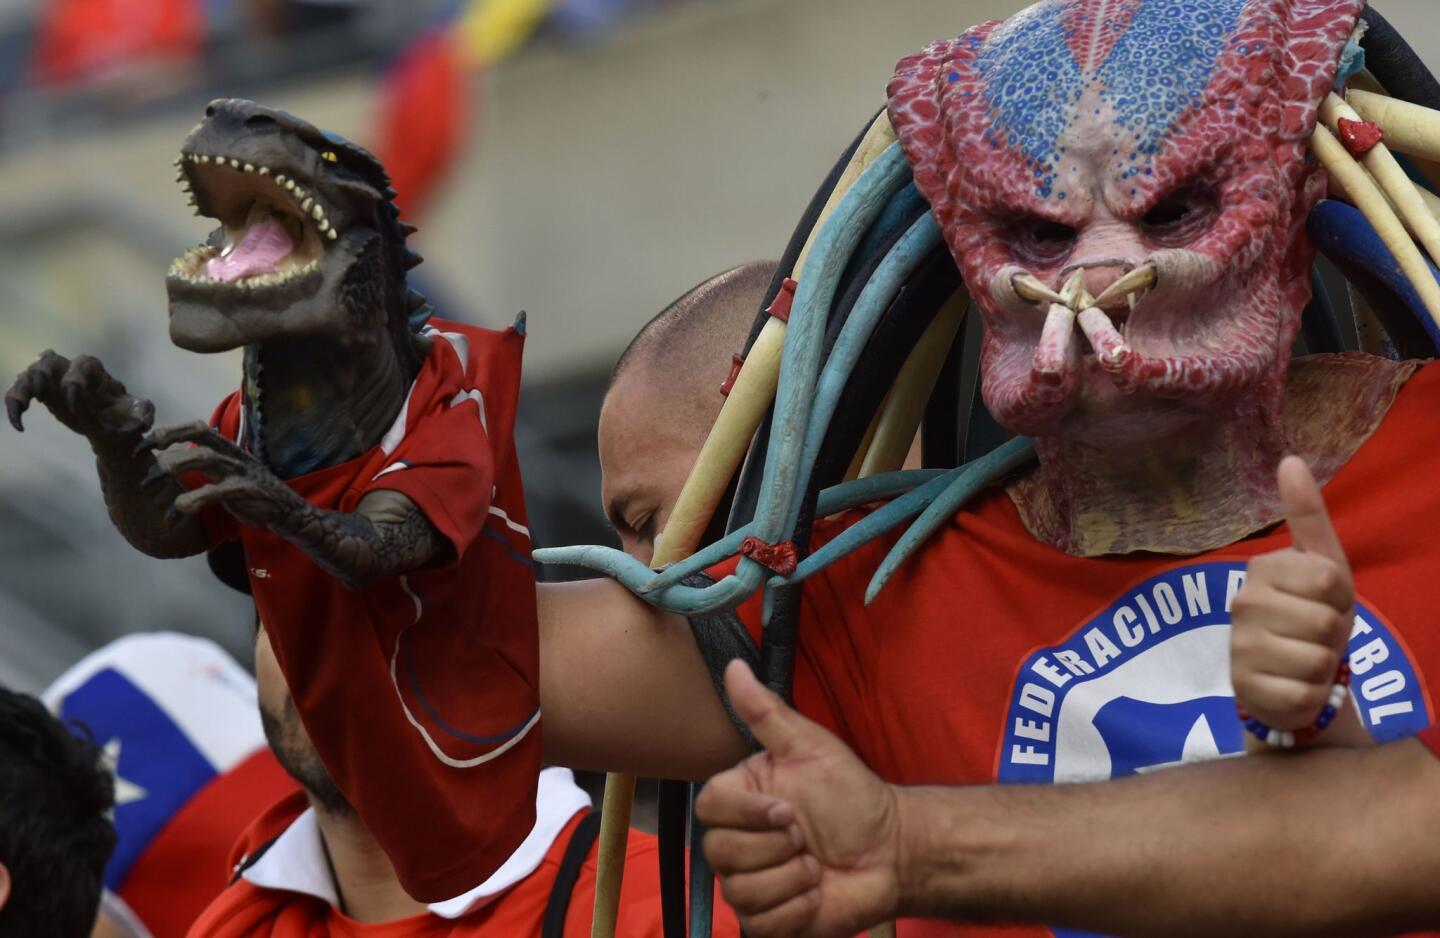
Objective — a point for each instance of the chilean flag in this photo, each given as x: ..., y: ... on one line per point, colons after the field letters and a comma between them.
x: 179, y: 724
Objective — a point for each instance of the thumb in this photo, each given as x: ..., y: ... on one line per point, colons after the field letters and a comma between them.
x: 776, y: 726
x: 1305, y: 511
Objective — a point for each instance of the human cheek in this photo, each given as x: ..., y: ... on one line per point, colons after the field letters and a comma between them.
x: 639, y: 548
x: 269, y: 682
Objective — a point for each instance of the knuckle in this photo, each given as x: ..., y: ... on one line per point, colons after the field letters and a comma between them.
x: 1261, y: 566
x: 1322, y: 667
x: 1337, y: 629
x: 757, y: 927
x: 1243, y: 640
x: 746, y: 893
x: 1311, y: 623
x: 733, y: 893
x: 785, y: 920
x: 52, y: 363
x: 1302, y: 700
x: 714, y: 845
x: 1245, y: 606
x: 1328, y: 578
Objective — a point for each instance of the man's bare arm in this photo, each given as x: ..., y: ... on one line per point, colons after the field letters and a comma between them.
x: 623, y: 687
x: 1323, y: 842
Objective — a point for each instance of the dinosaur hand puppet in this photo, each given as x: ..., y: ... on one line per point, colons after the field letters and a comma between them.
x: 361, y: 484
x: 307, y: 272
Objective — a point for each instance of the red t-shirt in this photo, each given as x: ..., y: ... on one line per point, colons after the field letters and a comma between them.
x: 245, y: 910
x: 993, y: 657
x: 421, y: 694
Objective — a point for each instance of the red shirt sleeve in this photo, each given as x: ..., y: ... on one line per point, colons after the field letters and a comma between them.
x: 446, y: 467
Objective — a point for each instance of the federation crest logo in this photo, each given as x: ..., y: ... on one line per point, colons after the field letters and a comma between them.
x: 1145, y: 684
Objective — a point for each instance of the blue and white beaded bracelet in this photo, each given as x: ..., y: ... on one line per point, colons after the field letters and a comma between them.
x: 1285, y: 739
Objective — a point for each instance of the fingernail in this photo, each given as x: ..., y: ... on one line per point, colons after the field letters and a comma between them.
x: 797, y: 836
x: 780, y: 814
x: 812, y: 866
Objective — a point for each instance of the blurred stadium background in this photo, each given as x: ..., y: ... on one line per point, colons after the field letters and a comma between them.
x: 584, y: 160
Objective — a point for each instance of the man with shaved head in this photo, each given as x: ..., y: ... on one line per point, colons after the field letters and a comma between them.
x: 664, y: 394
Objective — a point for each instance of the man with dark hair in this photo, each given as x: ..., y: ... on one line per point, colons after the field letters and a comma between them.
x: 663, y: 396
x: 55, y: 831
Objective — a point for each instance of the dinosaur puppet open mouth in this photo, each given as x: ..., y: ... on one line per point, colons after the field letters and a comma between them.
x: 308, y: 241
x: 273, y: 231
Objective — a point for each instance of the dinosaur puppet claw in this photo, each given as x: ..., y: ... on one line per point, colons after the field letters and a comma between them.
x: 81, y: 394
x: 239, y: 482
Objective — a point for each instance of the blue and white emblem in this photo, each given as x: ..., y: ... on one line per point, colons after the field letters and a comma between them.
x: 1145, y: 684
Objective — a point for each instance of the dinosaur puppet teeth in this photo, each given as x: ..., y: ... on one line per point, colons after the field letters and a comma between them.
x: 190, y: 268
x: 279, y: 199
x: 304, y: 201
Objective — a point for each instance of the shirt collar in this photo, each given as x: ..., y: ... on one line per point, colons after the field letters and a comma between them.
x: 296, y: 861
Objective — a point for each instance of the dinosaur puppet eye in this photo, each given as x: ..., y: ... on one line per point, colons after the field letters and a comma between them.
x: 329, y: 156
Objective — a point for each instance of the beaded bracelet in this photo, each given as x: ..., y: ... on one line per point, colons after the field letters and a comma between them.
x: 1284, y: 739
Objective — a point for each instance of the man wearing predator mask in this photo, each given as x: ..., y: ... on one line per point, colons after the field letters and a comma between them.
x: 1125, y: 186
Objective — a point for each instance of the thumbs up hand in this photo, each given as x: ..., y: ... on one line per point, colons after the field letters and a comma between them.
x: 804, y: 837
x: 1291, y: 621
